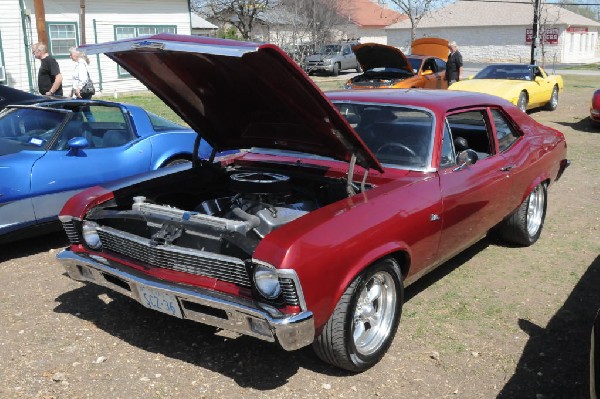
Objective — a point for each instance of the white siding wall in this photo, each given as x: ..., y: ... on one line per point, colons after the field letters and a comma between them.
x: 504, y: 44
x: 13, y: 45
x: 106, y: 13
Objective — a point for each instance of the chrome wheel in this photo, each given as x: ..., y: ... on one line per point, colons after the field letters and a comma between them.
x: 553, y: 103
x: 535, y: 210
x: 374, y: 313
x: 522, y: 102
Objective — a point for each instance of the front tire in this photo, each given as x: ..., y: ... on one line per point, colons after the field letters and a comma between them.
x: 176, y: 161
x: 553, y: 103
x: 525, y: 224
x: 365, y: 320
x: 522, y: 101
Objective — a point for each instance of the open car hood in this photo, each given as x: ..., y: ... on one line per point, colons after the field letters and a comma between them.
x: 431, y: 46
x: 375, y: 55
x: 239, y: 95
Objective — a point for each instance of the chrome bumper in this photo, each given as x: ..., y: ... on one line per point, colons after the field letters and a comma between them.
x: 204, y: 306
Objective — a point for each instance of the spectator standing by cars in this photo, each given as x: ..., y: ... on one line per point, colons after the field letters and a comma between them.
x: 81, y: 74
x: 454, y: 65
x: 49, y: 76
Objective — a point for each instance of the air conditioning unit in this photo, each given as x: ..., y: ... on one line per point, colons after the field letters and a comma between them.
x: 2, y: 74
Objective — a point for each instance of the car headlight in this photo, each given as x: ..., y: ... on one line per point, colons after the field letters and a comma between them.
x: 267, y: 281
x: 90, y: 234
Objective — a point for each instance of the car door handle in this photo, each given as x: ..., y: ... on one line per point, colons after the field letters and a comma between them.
x: 506, y: 168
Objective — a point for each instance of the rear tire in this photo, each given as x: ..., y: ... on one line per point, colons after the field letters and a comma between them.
x: 176, y: 161
x: 522, y: 102
x: 365, y: 320
x: 525, y: 224
x: 336, y: 69
x: 553, y: 103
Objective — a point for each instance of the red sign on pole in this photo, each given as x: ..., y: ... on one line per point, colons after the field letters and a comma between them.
x: 550, y: 36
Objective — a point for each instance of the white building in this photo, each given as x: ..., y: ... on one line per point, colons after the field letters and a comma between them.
x: 500, y: 32
x: 106, y: 20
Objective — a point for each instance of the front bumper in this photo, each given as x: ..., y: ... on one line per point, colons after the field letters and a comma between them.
x: 319, y: 68
x: 205, y: 306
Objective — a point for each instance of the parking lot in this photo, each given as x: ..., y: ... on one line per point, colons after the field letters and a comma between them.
x: 495, y: 321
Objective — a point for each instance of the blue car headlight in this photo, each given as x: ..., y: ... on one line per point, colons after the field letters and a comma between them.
x: 90, y: 234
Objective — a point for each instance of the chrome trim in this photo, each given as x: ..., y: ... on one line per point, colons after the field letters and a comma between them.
x: 287, y: 274
x: 290, y: 331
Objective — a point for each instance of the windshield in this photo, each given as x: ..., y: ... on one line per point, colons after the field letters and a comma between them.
x: 415, y: 64
x: 400, y: 137
x: 330, y: 49
x: 510, y: 72
x: 29, y: 128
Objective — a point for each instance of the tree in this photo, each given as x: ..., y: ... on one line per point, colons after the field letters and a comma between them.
x: 415, y: 10
x: 242, y: 14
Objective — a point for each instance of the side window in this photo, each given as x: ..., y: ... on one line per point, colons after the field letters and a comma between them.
x: 441, y: 64
x: 61, y: 37
x: 505, y: 132
x: 346, y: 50
x: 470, y: 130
x: 448, y: 154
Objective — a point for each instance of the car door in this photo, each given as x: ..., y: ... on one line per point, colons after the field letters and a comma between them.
x: 110, y: 155
x: 475, y: 197
x: 432, y: 79
x: 347, y: 57
x: 541, y: 87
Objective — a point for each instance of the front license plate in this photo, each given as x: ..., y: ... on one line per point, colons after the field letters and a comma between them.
x: 160, y: 301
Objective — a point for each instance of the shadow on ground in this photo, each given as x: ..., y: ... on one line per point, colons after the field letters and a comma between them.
x: 555, y: 361
x: 33, y: 245
x: 583, y: 125
x: 249, y: 362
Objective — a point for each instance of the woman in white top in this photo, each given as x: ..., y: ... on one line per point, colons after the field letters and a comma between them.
x: 80, y: 73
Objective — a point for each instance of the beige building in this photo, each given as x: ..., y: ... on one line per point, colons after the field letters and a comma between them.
x: 501, y: 32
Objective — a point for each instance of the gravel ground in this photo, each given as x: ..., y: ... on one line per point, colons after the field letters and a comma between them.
x: 495, y: 321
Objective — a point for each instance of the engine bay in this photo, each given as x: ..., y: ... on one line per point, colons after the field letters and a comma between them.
x: 226, y: 213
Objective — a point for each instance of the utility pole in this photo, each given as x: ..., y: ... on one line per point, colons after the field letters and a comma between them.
x: 40, y: 21
x: 82, y: 21
x: 536, y: 23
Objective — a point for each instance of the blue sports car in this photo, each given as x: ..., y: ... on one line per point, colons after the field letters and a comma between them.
x: 55, y: 148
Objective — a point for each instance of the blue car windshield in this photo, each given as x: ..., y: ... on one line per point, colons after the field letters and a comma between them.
x: 510, y: 72
x: 29, y: 128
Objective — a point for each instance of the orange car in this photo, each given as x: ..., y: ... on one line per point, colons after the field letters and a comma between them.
x: 386, y: 67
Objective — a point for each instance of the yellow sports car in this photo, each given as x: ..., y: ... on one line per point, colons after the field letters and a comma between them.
x: 526, y: 86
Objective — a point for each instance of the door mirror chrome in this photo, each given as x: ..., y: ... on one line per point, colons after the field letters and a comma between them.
x: 466, y: 158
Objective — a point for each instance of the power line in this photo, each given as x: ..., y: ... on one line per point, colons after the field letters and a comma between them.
x: 529, y: 2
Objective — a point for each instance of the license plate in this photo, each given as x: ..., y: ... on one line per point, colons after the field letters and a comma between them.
x: 160, y: 301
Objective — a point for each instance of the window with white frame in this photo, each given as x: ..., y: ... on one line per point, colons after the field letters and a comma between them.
x: 61, y: 37
x: 131, y: 31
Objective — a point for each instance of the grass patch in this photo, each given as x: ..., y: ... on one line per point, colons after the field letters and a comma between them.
x: 587, y: 67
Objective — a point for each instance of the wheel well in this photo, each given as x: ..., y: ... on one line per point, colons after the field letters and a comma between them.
x: 176, y: 157
x: 403, y: 259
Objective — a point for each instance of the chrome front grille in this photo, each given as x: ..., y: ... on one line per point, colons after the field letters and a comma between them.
x: 221, y: 267
x: 71, y: 231
x: 289, y: 292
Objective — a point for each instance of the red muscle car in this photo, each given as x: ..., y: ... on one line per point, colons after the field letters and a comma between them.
x: 336, y: 203
x: 595, y: 108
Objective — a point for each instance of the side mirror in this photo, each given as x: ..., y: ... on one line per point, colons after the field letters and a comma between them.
x: 78, y: 143
x: 539, y: 79
x: 466, y: 158
x: 427, y: 72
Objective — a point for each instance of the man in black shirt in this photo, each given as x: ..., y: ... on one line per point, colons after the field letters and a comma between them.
x: 454, y: 65
x: 49, y: 76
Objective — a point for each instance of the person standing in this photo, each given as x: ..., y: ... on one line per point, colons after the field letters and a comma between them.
x: 49, y: 76
x: 80, y: 73
x: 454, y: 65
